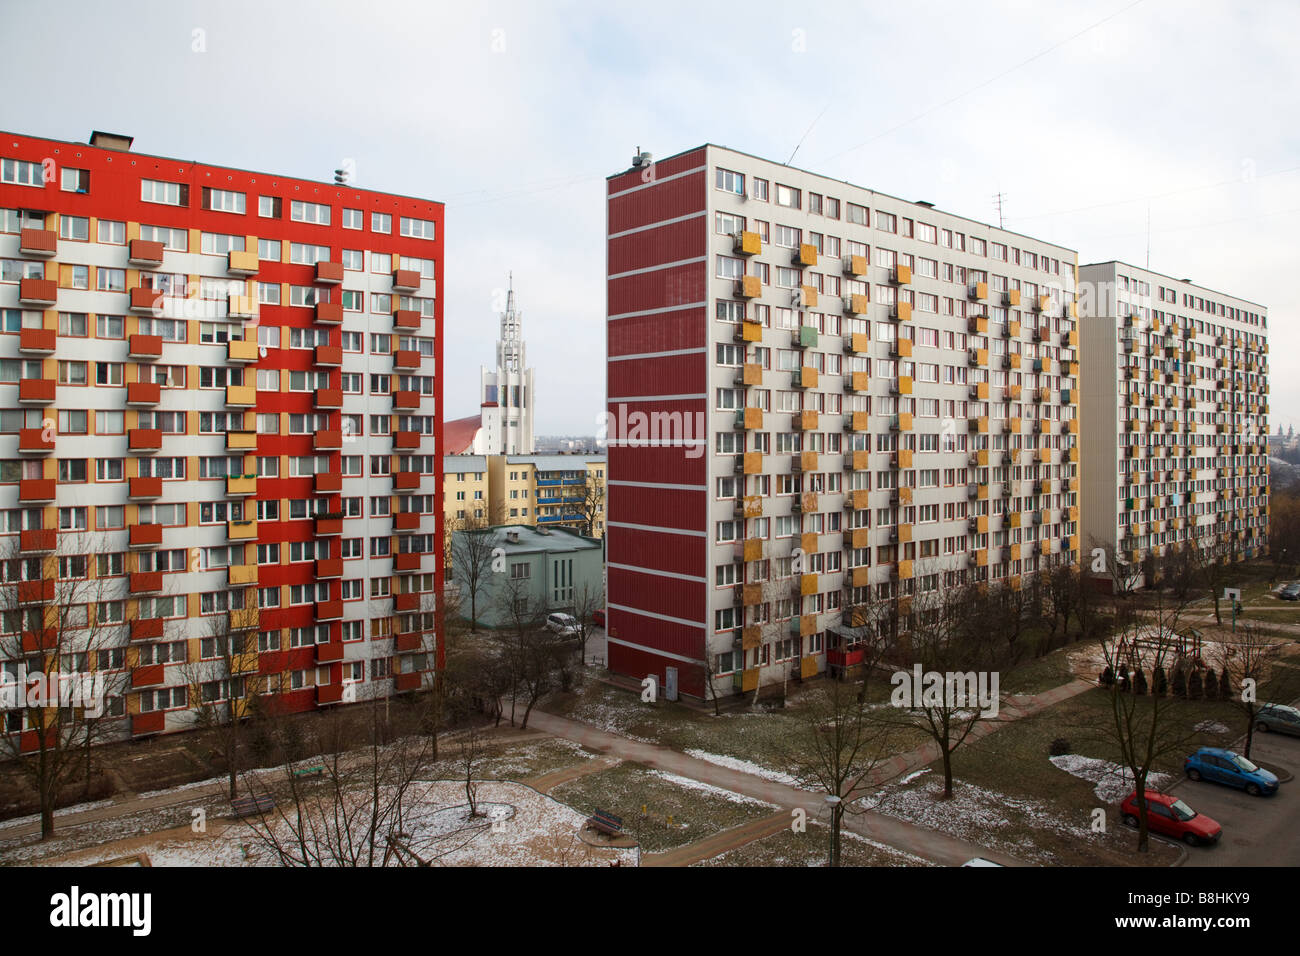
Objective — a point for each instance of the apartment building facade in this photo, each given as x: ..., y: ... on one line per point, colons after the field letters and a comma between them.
x: 820, y: 397
x: 542, y: 490
x: 1175, y: 418
x: 221, y: 402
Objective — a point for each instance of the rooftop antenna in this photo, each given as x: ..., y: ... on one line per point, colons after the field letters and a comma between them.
x: 340, y: 177
x: 998, y: 199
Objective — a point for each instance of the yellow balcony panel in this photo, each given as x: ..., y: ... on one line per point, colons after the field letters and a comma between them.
x: 806, y: 420
x: 1044, y: 303
x: 807, y: 584
x: 751, y: 331
x: 859, y: 381
x: 808, y: 296
x: 859, y: 421
x: 857, y: 499
x: 905, y: 495
x: 241, y: 530
x: 902, y: 311
x: 1011, y: 297
x: 242, y: 263
x: 747, y: 243
x: 749, y: 287
x: 1072, y: 543
x: 861, y: 460
x: 856, y: 304
x: 241, y: 396
x: 807, y: 461
x: 1013, y: 392
x: 1045, y: 546
x: 1045, y: 486
x: 805, y: 255
x: 982, y: 491
x: 808, y: 541
x: 752, y: 549
x: 905, y: 570
x: 980, y: 425
x: 860, y: 538
x: 752, y: 374
x: 978, y: 357
x: 1015, y: 359
x: 982, y: 458
x: 751, y: 595
x: 904, y: 385
x: 855, y: 265
x: 1045, y: 455
x: 980, y: 390
x: 1017, y: 519
x: 1012, y: 426
x: 806, y: 377
x: 861, y: 577
x: 752, y: 506
x: 1072, y: 426
x: 981, y: 523
x: 1074, y: 453
x: 240, y: 351
x: 905, y: 421
x: 241, y: 441
x: 979, y: 291
x: 904, y: 533
x: 1013, y: 329
x: 1014, y: 582
x: 982, y: 558
x: 241, y: 485
x: 902, y: 275
x: 905, y: 458
x: 858, y: 342
x: 752, y: 418
x: 753, y: 463
x: 238, y: 575
x: 903, y: 347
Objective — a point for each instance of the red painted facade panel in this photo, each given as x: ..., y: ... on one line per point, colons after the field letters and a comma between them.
x: 677, y: 285
x: 638, y: 662
x: 671, y: 597
x: 677, y: 553
x: 669, y: 166
x: 663, y: 200
x: 661, y: 332
x: 670, y: 243
x: 661, y: 507
x: 668, y: 375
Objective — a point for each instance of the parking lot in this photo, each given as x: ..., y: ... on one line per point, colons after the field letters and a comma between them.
x: 1257, y: 831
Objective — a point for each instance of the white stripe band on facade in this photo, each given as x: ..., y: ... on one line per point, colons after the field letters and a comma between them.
x: 655, y: 651
x: 661, y: 266
x: 656, y: 181
x: 663, y: 574
x: 658, y: 484
x: 660, y: 311
x: 657, y: 617
x: 650, y: 355
x: 655, y: 528
x: 662, y: 222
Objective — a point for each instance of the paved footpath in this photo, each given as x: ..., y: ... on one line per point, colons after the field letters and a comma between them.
x: 710, y: 847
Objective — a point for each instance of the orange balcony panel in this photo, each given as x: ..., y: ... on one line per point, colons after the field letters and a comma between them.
x: 32, y: 592
x: 406, y: 440
x: 241, y: 352
x: 410, y: 681
x: 143, y: 393
x: 807, y: 584
x: 145, y: 299
x: 860, y: 538
x: 145, y: 252
x: 902, y: 275
x: 753, y: 463
x: 329, y: 273
x: 242, y: 307
x: 905, y: 569
x: 332, y: 651
x: 328, y: 356
x: 144, y: 346
x: 38, y: 242
x: 144, y: 439
x: 858, y: 381
x: 904, y: 533
x: 241, y: 441
x: 406, y: 602
x: 808, y: 296
x: 407, y: 319
x: 37, y: 341
x: 982, y: 558
x: 905, y: 458
x: 242, y: 263
x: 855, y: 265
x: 243, y: 530
x: 406, y: 643
x: 406, y: 359
x: 905, y: 495
x: 807, y: 461
x: 406, y: 480
x: 36, y: 489
x: 329, y: 526
x: 38, y: 292
x: 406, y: 399
x: 406, y: 280
x: 146, y: 628
x: 1011, y: 297
x: 145, y: 582
x: 329, y: 610
x: 37, y: 539
x: 861, y: 460
x: 753, y: 418
x: 751, y: 374
x: 751, y: 549
x: 748, y: 287
x: 329, y: 398
x: 327, y: 482
x: 805, y: 420
x: 327, y: 694
x: 329, y: 313
x: 407, y: 521
x: 406, y: 561
x: 861, y: 577
x: 150, y: 675
x: 145, y: 535
x: 241, y: 396
x: 153, y: 722
x: 36, y: 391
x: 35, y: 440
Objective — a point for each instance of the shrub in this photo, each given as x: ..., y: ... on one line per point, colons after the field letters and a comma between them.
x: 1179, y: 684
x: 1225, y: 685
x: 1159, y: 682
x: 1195, y: 685
x: 1059, y: 748
x: 1107, y: 677
x: 1140, y: 682
x: 1211, y: 685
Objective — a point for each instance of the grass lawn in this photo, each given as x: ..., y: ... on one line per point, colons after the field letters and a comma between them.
x: 810, y: 849
x: 518, y: 761
x: 696, y: 810
x: 1038, y: 674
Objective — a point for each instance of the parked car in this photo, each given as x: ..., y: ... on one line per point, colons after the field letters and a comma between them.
x: 598, y: 618
x: 1278, y: 717
x: 1290, y: 592
x: 1223, y: 766
x: 563, y: 624
x: 1168, y: 815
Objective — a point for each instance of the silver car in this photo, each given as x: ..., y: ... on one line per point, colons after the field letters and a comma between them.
x: 1280, y: 718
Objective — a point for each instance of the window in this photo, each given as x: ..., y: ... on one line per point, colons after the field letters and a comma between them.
x: 174, y: 240
x: 223, y: 200
x: 111, y: 280
x: 729, y: 181
x: 301, y: 211
x: 270, y: 207
x: 170, y: 194
x: 21, y: 173
x: 306, y: 254
x: 74, y: 227
x: 786, y: 196
x: 416, y: 228
x: 856, y: 214
x: 112, y: 233
x: 381, y: 222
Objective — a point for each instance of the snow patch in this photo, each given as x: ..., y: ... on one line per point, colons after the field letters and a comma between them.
x: 689, y: 784
x: 744, y: 766
x: 1114, y: 782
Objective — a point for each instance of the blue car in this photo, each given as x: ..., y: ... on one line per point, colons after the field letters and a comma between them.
x: 1223, y: 766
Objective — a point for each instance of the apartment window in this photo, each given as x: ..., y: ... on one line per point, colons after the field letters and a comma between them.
x: 174, y: 240
x: 74, y: 227
x: 21, y: 173
x: 416, y: 228
x: 111, y: 280
x: 169, y: 194
x: 223, y: 200
x: 787, y: 196
x: 760, y: 189
x: 353, y: 259
x: 381, y: 222
x: 301, y: 211
x: 856, y: 214
x: 729, y: 181
x: 307, y: 254
x: 270, y: 207
x: 112, y: 233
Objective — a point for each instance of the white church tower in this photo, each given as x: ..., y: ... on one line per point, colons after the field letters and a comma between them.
x: 507, y: 393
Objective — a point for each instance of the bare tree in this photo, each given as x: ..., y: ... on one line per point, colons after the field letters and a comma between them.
x: 1250, y: 663
x: 531, y: 652
x: 589, y: 504
x: 587, y: 600
x: 472, y: 552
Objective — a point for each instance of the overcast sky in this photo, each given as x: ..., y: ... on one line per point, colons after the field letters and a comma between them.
x: 1086, y: 115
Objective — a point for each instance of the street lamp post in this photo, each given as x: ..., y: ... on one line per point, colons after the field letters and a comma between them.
x: 833, y: 802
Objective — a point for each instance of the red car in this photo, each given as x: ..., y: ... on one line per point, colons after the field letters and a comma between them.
x: 1168, y: 815
x: 598, y: 618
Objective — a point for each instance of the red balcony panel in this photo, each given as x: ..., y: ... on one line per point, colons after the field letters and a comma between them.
x: 37, y: 391
x: 29, y: 741
x: 146, y: 629
x: 406, y: 319
x: 145, y: 346
x: 407, y: 602
x: 151, y: 675
x: 35, y: 440
x: 406, y: 399
x: 329, y: 398
x: 330, y: 440
x: 329, y: 526
x: 329, y: 610
x: 328, y: 482
x: 406, y: 358
x: 406, y: 561
x: 37, y: 340
x: 143, y: 393
x: 35, y: 592
x: 36, y: 489
x: 330, y: 313
x: 153, y: 722
x: 329, y: 273
x: 38, y: 292
x: 145, y: 487
x: 329, y: 693
x: 329, y: 356
x: 406, y: 439
x: 407, y: 521
x: 46, y: 639
x: 405, y: 643
x: 145, y: 299
x: 146, y: 252
x: 145, y: 535
x: 329, y: 568
x: 38, y: 539
x: 146, y: 582
x: 406, y: 280
x: 144, y: 439
x: 406, y: 480
x: 38, y: 242
x: 328, y: 653
x: 407, y: 681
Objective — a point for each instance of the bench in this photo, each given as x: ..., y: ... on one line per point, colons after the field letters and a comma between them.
x: 606, y: 823
x: 247, y: 806
x: 309, y: 771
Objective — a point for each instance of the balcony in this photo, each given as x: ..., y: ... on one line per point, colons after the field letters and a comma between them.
x: 241, y: 575
x: 35, y: 441
x: 978, y: 291
x: 36, y: 391
x: 241, y: 441
x: 328, y: 356
x: 856, y: 305
x: 857, y: 422
x: 406, y: 399
x: 409, y: 601
x: 37, y: 540
x: 326, y: 527
x: 406, y: 480
x: 144, y: 347
x: 407, y: 561
x: 804, y: 256
x: 327, y: 398
x: 805, y: 420
x: 857, y: 382
x: 144, y: 299
x: 406, y: 359
x: 143, y: 393
x: 245, y: 530
x: 144, y: 439
x: 240, y: 352
x: 748, y: 287
x: 805, y: 377
x: 901, y: 311
x: 43, y: 243
x: 748, y: 332
x: 329, y: 273
x: 406, y: 440
x: 145, y: 253
x: 407, y: 319
x: 750, y: 549
x: 145, y: 535
x: 750, y: 373
x: 242, y: 307
x: 241, y: 486
x: 146, y: 629
x: 328, y: 482
x: 329, y: 313
x: 145, y: 582
x: 329, y: 611
x: 144, y: 487
x: 805, y: 461
x: 241, y: 396
x: 406, y: 280
x: 408, y: 681
x: 1011, y: 297
x: 407, y: 521
x: 901, y: 275
x: 38, y: 292
x: 37, y: 341
x: 329, y: 568
x: 242, y: 263
x: 154, y: 722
